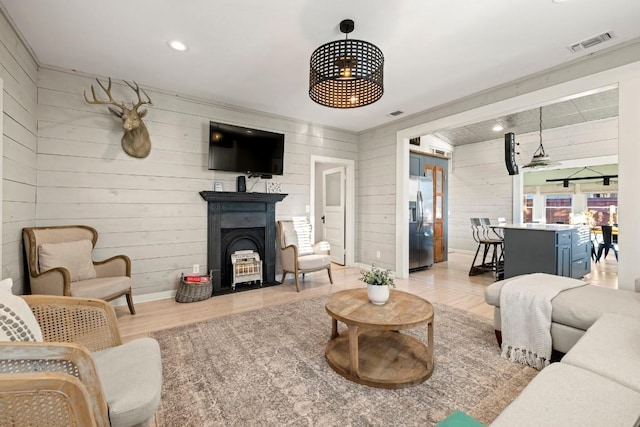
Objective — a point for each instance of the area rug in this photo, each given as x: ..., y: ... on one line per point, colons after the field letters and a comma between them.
x: 267, y: 368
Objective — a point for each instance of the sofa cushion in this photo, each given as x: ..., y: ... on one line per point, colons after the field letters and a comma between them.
x: 101, y: 287
x: 131, y: 376
x: 75, y: 256
x: 581, y: 307
x: 611, y: 348
x: 17, y: 322
x: 313, y: 262
x: 564, y: 395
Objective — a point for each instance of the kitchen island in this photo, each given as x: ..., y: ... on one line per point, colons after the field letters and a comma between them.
x: 563, y: 250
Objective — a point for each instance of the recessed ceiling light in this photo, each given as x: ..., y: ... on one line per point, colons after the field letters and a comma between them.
x: 559, y: 1
x: 177, y: 45
x: 497, y: 128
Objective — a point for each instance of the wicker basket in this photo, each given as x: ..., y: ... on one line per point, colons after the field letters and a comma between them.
x: 192, y: 292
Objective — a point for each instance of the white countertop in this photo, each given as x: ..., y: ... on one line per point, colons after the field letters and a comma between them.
x: 541, y: 227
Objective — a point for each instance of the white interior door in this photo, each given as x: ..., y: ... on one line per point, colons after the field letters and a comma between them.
x: 333, y: 199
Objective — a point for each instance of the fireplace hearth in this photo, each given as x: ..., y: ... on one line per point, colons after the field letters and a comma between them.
x: 240, y: 221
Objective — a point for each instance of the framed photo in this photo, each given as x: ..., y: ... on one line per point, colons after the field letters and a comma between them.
x: 273, y: 187
x: 217, y: 186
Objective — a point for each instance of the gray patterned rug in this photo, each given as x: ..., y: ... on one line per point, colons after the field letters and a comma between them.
x: 267, y: 368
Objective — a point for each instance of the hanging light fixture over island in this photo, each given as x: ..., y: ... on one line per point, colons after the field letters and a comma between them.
x: 540, y: 159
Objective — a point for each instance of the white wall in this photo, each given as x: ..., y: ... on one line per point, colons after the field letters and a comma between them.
x: 479, y: 185
x: 19, y: 71
x: 628, y: 200
x: 150, y: 208
x: 375, y: 199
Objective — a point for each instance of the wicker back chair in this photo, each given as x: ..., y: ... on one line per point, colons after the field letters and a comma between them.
x: 57, y: 382
x: 60, y: 400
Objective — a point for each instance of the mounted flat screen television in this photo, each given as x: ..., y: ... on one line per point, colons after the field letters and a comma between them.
x: 249, y: 151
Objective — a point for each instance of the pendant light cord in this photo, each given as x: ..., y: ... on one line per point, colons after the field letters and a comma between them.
x: 540, y: 150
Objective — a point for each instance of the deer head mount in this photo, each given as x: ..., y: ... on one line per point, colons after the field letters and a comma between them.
x: 135, y: 141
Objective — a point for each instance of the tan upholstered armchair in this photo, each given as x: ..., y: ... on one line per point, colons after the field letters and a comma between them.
x: 60, y: 263
x: 81, y: 374
x: 297, y: 253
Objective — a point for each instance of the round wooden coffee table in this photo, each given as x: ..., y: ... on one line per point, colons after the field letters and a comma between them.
x: 372, y: 351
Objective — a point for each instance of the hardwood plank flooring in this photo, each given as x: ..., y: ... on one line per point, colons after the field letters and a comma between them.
x: 446, y: 283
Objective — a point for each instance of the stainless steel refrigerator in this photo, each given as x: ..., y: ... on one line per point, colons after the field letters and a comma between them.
x: 420, y: 222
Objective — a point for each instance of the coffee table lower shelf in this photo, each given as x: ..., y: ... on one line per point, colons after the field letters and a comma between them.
x: 386, y: 359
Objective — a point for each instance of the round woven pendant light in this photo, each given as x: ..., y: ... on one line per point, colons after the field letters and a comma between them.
x: 346, y: 73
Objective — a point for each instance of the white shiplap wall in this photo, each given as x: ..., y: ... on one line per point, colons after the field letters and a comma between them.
x: 480, y: 186
x: 150, y: 208
x: 376, y: 199
x: 18, y: 71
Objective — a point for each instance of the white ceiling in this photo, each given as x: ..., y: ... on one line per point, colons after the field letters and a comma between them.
x: 255, y: 53
x: 597, y: 106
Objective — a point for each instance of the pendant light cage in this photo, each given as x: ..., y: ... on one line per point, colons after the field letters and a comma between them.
x: 540, y: 158
x: 346, y: 73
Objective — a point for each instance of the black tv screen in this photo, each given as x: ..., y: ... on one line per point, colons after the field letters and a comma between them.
x: 249, y: 151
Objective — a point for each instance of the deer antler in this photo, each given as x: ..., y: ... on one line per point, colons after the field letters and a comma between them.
x: 137, y: 90
x: 106, y: 90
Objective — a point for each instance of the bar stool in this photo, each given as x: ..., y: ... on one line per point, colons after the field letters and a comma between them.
x: 481, y: 232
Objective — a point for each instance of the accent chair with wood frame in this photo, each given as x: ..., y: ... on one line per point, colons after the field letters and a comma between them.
x: 298, y: 255
x: 59, y: 262
x: 81, y: 373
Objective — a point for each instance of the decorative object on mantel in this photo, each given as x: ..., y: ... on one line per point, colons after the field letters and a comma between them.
x: 540, y: 159
x: 135, y: 141
x: 274, y: 187
x: 218, y: 186
x: 378, y: 282
x: 346, y: 73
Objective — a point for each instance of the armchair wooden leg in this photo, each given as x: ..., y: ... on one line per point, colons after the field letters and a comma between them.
x: 296, y: 279
x: 132, y: 309
x: 330, y: 278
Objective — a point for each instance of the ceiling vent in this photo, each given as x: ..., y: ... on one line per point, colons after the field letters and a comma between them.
x: 591, y: 42
x: 395, y: 113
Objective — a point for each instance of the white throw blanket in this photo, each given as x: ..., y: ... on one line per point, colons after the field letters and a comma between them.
x: 525, y: 310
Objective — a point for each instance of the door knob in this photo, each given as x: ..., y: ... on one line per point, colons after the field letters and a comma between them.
x: 322, y: 219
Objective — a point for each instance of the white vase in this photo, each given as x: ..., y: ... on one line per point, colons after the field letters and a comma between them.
x: 378, y: 295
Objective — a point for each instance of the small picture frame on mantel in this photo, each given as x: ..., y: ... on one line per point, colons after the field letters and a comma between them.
x: 217, y: 186
x: 274, y: 187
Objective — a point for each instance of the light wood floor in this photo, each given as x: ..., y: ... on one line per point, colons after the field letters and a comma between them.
x: 445, y: 283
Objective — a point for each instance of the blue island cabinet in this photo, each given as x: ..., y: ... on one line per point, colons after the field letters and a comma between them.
x: 562, y: 250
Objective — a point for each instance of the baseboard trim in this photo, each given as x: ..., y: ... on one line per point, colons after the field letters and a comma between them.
x: 155, y: 296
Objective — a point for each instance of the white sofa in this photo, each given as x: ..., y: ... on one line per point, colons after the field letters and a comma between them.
x: 597, y: 381
x: 574, y: 310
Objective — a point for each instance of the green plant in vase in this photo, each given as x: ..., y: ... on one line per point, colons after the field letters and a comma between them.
x: 378, y: 281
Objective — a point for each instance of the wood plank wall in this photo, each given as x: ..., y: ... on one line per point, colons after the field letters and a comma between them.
x: 376, y: 199
x: 19, y: 72
x: 150, y: 208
